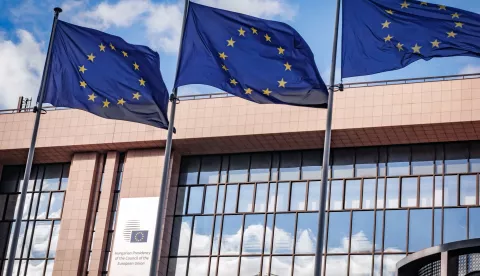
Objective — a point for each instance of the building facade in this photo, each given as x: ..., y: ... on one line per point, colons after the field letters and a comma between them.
x: 243, y: 193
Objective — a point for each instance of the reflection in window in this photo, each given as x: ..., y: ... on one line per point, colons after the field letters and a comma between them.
x: 284, y: 234
x: 216, y: 235
x: 378, y: 231
x: 213, y: 266
x: 438, y: 196
x: 245, y: 201
x: 281, y: 265
x: 272, y: 195
x: 221, y: 198
x: 195, y: 200
x: 189, y: 171
x: 250, y: 266
x: 225, y: 265
x: 423, y: 157
x: 336, y: 196
x: 210, y: 200
x: 260, y: 167
x: 420, y: 232
x: 395, y: 229
x: 409, y: 191
x: 266, y: 266
x: 437, y: 226
x: 360, y: 265
x: 297, y: 199
x: 336, y: 265
x: 202, y: 235
x: 362, y: 232
x: 231, y: 199
x: 238, y: 171
x: 366, y: 162
x: 177, y: 267
x: 474, y: 225
x: 181, y: 232
x: 338, y: 232
x: 390, y: 264
x: 253, y: 234
x: 283, y: 196
x: 40, y: 239
x: 454, y: 225
x: 314, y: 195
x: 368, y: 193
x: 268, y: 235
x: 381, y: 193
x: 312, y: 164
x: 210, y: 169
x: 352, y: 194
x: 198, y: 266
x: 392, y: 193
x: 306, y: 240
x: 468, y: 190
x: 43, y: 205
x: 377, y: 265
x: 54, y: 241
x: 290, y: 165
x: 51, y: 178
x: 450, y: 190
x: 426, y: 191
x: 342, y: 166
x: 456, y: 158
x: 56, y: 205
x: 261, y: 197
x: 232, y: 229
x: 304, y: 266
x: 398, y: 161
x: 181, y: 205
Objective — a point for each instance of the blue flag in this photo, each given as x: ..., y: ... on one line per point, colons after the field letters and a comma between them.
x: 259, y: 60
x: 106, y: 76
x: 384, y: 35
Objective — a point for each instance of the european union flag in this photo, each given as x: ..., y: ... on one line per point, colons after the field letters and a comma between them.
x: 384, y: 35
x: 259, y: 60
x: 139, y: 236
x: 104, y: 75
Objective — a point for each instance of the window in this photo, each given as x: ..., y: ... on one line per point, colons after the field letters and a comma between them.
x: 395, y: 229
x: 290, y: 165
x: 307, y: 229
x: 352, y: 194
x: 238, y: 170
x: 423, y: 157
x: 420, y: 231
x: 392, y: 193
x: 366, y: 160
x: 297, y: 199
x: 312, y: 164
x: 362, y: 232
x: 454, y: 225
x: 450, y: 190
x: 260, y: 167
x: 189, y: 170
x: 474, y: 227
x: 343, y: 160
x: 468, y: 190
x: 210, y: 169
x: 369, y: 193
x: 336, y: 196
x: 409, y: 191
x: 339, y: 232
x: 426, y: 191
x: 456, y: 158
x: 398, y: 161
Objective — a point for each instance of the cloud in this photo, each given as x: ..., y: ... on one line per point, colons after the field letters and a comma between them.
x: 470, y: 69
x: 259, y: 8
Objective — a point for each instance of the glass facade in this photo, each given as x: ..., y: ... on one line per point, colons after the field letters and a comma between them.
x: 256, y: 214
x: 40, y: 225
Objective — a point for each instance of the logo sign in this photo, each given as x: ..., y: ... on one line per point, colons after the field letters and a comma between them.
x: 132, y: 247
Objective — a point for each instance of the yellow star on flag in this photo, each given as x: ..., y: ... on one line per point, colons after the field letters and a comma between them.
x: 248, y: 91
x: 281, y: 83
x: 92, y: 97
x: 112, y: 47
x: 106, y: 103
x: 102, y: 47
x: 142, y: 82
x: 136, y: 96
x: 451, y: 34
x: 233, y: 81
x: 83, y: 84
x: 459, y: 24
x: 254, y: 31
x: 82, y: 69
x: 386, y: 24
x: 400, y: 46
x: 124, y: 54
x: 268, y: 38
x: 416, y: 48
x: 423, y: 4
x: 288, y: 67
x: 436, y: 43
x: 388, y: 38
x: 91, y: 57
x: 405, y: 5
x: 136, y: 66
x: 389, y: 12
x: 223, y: 56
x: 231, y: 42
x: 455, y: 15
x: 121, y: 101
x: 442, y: 7
x: 224, y: 67
x: 267, y: 92
x: 241, y: 32
x: 281, y: 51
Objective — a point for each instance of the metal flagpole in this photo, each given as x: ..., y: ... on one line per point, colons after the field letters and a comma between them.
x: 166, y: 163
x: 31, y: 151
x: 326, y: 152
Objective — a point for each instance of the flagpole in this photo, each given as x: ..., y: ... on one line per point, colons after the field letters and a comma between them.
x: 31, y: 151
x: 326, y: 151
x: 166, y: 163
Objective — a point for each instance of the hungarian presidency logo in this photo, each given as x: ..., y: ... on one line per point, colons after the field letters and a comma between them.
x: 132, y: 232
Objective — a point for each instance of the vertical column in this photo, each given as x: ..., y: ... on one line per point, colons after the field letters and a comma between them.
x: 448, y: 265
x: 77, y: 208
x: 99, y: 241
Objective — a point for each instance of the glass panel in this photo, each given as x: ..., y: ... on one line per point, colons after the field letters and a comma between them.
x: 266, y: 266
x: 381, y: 193
x: 198, y: 267
x: 28, y: 239
x: 390, y: 264
x: 451, y: 186
x: 306, y: 240
x: 409, y: 191
x: 43, y: 205
x: 336, y: 265
x: 275, y: 165
x: 51, y: 178
x: 53, y: 243
x: 475, y: 157
x: 362, y: 232
x: 395, y: 231
x: 221, y: 198
x: 250, y: 266
x: 281, y: 266
x: 189, y: 170
x: 10, y: 211
x: 420, y: 232
x: 65, y: 175
x: 284, y: 233
x: 368, y: 193
x: 182, y: 228
x: 253, y: 234
x: 454, y: 225
x: 202, y: 235
x: 456, y: 158
x: 33, y: 209
x: 232, y: 231
x: 216, y: 235
x: 398, y: 169
x: 468, y: 190
x: 312, y: 164
x: 392, y: 193
x: 32, y: 180
x: 228, y: 264
x: 297, y: 200
x: 261, y: 197
x: 438, y: 191
x: 437, y: 227
x: 9, y: 178
x: 35, y: 267
x: 360, y: 265
x: 223, y: 172
x: 195, y: 200
x: 181, y: 205
x: 366, y: 162
x: 231, y: 199
x: 260, y: 167
x: 398, y: 160
x: 378, y: 231
x: 272, y: 195
x: 423, y: 157
x: 338, y: 232
x: 210, y: 170
x: 314, y: 195
x: 377, y: 265
x: 238, y: 171
x: 304, y: 266
x: 336, y: 196
x: 21, y: 238
x: 290, y: 165
x: 342, y: 165
x: 268, y: 235
x: 426, y: 191
x: 245, y: 202
x: 474, y: 227
x: 49, y: 269
x: 422, y: 167
x: 26, y: 208
x: 56, y: 204
x: 41, y: 236
x: 283, y: 196
x: 177, y: 267
x: 213, y: 266
x: 210, y: 200
x: 352, y: 194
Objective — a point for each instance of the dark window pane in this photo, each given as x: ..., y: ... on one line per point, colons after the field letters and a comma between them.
x: 307, y: 226
x: 362, y: 232
x: 304, y: 266
x: 3, y: 203
x: 245, y: 201
x: 336, y: 196
x: 475, y: 157
x: 177, y: 267
x: 437, y: 227
x: 33, y: 179
x: 43, y: 205
x: 232, y: 229
x: 209, y: 170
x: 297, y: 200
x: 34, y: 205
x: 468, y: 190
x: 451, y: 187
x: 409, y: 191
x: 420, y: 232
x: 392, y: 193
x: 284, y: 233
x: 352, y: 194
x: 423, y: 157
x: 398, y: 160
x: 56, y: 205
x: 202, y: 235
x: 368, y: 193
x: 195, y: 200
x: 312, y: 164
x: 474, y: 227
x: 231, y: 199
x: 275, y: 166
x: 210, y: 200
x: 223, y: 172
x: 360, y: 265
x: 216, y: 235
x: 226, y: 264
x: 198, y: 266
x: 54, y: 241
x: 65, y: 176
x: 41, y: 236
x: 281, y: 266
x: 51, y: 180
x: 9, y: 179
x: 26, y: 207
x: 426, y: 191
x: 454, y: 225
x: 343, y: 160
x: 261, y: 197
x: 268, y: 235
x: 181, y: 207
x: 338, y: 232
x: 438, y: 191
x: 189, y: 170
x: 390, y: 264
x: 253, y: 234
x: 456, y: 158
x: 181, y: 233
x: 290, y: 165
x: 11, y: 211
x: 395, y: 231
x: 336, y: 265
x: 381, y: 193
x: 366, y: 162
x: 238, y: 171
x: 283, y: 196
x: 272, y: 195
x: 260, y: 167
x: 250, y: 266
x: 314, y: 195
x: 378, y: 231
x: 221, y: 198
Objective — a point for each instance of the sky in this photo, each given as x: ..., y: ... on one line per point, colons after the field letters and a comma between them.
x: 25, y: 28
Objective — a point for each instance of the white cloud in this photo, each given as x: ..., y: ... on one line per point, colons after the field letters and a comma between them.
x: 259, y: 8
x: 164, y: 25
x: 470, y: 69
x: 21, y: 70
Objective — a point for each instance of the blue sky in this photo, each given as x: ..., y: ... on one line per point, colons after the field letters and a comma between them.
x: 25, y: 27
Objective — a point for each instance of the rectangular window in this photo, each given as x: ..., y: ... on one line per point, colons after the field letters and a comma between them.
x: 232, y: 226
x: 238, y: 171
x: 226, y: 264
x: 261, y: 197
x: 362, y: 232
x: 409, y: 191
x: 250, y: 265
x: 283, y: 234
x: 304, y: 266
x: 378, y: 231
x: 198, y: 266
x: 423, y: 157
x: 390, y: 264
x: 189, y: 171
x: 395, y: 231
x: 336, y: 197
x: 283, y: 196
x: 312, y: 164
x: 352, y: 194
x: 381, y: 193
x: 468, y: 190
x: 454, y: 225
x: 177, y: 266
x: 272, y: 196
x: 314, y: 195
x: 231, y: 199
x: 369, y: 193
x: 195, y: 200
x: 245, y: 201
x: 307, y: 229
x: 392, y: 193
x: 297, y: 199
x: 366, y: 160
x: 338, y: 232
x: 210, y: 169
x: 343, y: 160
x: 202, y: 236
x: 210, y: 200
x: 360, y: 265
x: 336, y: 265
x: 456, y: 158
x: 438, y: 191
x: 221, y: 198
x: 474, y: 227
x: 437, y: 227
x: 181, y: 231
x: 398, y: 161
x: 451, y: 190
x: 253, y: 234
x: 260, y: 167
x: 290, y: 165
x: 267, y: 248
x: 426, y: 191
x: 281, y: 265
x: 216, y: 235
x: 420, y: 230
